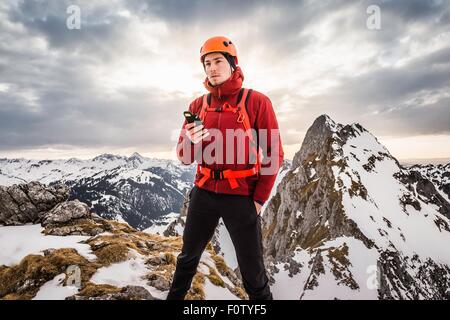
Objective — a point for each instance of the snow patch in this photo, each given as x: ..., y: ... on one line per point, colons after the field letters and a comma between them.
x: 129, y: 272
x: 16, y: 242
x: 55, y: 289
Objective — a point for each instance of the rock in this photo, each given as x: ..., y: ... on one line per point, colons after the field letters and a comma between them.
x: 154, y: 261
x: 27, y: 208
x: 171, y: 229
x: 66, y: 212
x: 141, y: 244
x: 75, y: 230
x: 127, y: 293
x: 44, y: 197
x: 28, y: 203
x: 159, y: 282
x: 10, y: 213
x: 135, y: 293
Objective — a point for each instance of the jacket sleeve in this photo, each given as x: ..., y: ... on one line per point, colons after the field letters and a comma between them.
x: 272, y: 149
x: 186, y: 149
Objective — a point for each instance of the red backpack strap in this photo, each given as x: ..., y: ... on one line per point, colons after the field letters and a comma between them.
x: 202, y: 115
x: 204, y: 107
x: 242, y: 109
x: 245, y: 120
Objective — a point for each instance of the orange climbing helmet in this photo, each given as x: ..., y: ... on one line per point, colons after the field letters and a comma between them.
x: 218, y: 44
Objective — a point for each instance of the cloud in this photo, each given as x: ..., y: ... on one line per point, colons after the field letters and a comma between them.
x: 124, y: 78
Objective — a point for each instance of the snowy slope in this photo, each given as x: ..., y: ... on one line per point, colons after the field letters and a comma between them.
x: 348, y: 222
x: 160, y: 225
x: 438, y: 174
x: 16, y: 242
x: 401, y: 224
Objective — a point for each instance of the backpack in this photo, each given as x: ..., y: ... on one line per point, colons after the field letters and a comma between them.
x: 243, y: 118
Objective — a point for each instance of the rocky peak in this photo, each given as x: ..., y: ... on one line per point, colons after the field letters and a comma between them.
x: 345, y: 196
x: 73, y: 161
x: 320, y: 132
x: 136, y: 157
x: 106, y: 157
x: 309, y: 205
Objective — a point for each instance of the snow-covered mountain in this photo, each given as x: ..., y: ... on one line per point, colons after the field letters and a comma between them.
x: 135, y: 189
x: 348, y: 222
x: 439, y: 175
x: 344, y: 221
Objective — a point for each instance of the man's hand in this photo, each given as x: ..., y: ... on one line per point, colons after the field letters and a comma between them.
x: 196, y: 133
x: 258, y: 207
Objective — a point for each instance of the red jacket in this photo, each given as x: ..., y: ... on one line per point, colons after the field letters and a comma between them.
x: 261, y: 115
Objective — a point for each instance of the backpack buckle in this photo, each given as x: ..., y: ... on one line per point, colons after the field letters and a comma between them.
x: 241, y: 117
x: 217, y: 175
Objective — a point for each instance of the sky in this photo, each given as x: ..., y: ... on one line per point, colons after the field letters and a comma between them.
x: 120, y: 82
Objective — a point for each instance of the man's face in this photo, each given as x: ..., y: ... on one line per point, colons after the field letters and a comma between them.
x: 217, y: 68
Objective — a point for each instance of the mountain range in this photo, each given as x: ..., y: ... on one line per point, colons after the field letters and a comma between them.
x: 137, y: 190
x: 345, y: 220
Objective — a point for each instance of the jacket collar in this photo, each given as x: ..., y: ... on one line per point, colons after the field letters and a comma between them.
x: 229, y: 87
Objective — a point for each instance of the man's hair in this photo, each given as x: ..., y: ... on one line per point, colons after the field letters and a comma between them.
x: 228, y: 57
x: 230, y: 60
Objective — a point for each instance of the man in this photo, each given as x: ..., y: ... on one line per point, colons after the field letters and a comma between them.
x: 225, y: 186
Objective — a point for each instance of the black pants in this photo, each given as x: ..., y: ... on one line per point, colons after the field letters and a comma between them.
x: 242, y: 222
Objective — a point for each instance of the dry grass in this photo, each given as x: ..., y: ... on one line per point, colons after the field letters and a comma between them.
x: 170, y: 258
x: 24, y: 280
x: 95, y: 290
x: 113, y: 253
x: 118, y: 227
x: 14, y: 296
x: 220, y: 264
x: 197, y: 291
x: 215, y: 278
x: 239, y: 292
x: 225, y: 271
